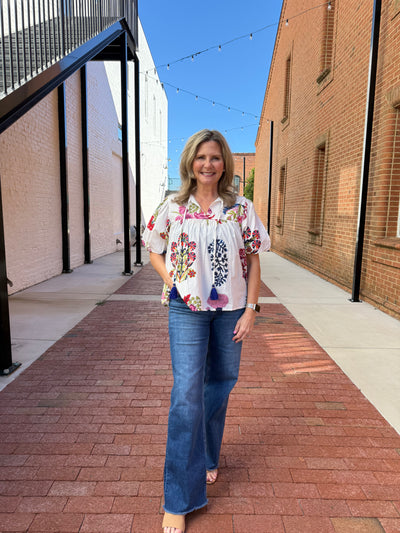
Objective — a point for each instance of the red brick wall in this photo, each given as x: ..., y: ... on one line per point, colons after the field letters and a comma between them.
x: 249, y: 163
x: 332, y: 110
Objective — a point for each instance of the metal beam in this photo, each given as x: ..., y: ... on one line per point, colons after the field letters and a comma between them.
x: 125, y: 153
x: 6, y: 364
x: 62, y: 132
x: 30, y: 93
x: 138, y: 261
x: 85, y: 167
x: 271, y: 152
x: 369, y: 115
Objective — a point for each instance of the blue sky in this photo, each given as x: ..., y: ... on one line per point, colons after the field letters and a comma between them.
x: 235, y: 77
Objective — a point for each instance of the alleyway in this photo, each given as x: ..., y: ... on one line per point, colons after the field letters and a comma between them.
x: 83, y: 433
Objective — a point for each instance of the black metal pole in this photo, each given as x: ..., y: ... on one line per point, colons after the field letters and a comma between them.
x: 6, y: 364
x: 125, y: 152
x: 373, y: 60
x: 271, y: 151
x: 62, y: 131
x: 138, y: 261
x: 85, y: 167
x: 244, y: 173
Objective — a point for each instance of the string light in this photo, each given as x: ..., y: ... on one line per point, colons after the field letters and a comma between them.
x: 247, y: 35
x: 197, y: 97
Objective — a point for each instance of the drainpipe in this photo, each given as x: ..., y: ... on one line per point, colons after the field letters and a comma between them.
x: 271, y: 151
x: 373, y: 59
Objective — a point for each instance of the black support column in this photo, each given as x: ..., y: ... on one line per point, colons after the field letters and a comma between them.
x: 369, y: 116
x: 6, y: 364
x: 125, y: 152
x: 271, y: 153
x: 62, y: 130
x: 138, y: 261
x: 85, y: 167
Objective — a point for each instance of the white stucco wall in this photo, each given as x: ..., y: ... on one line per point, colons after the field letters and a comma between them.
x: 153, y: 125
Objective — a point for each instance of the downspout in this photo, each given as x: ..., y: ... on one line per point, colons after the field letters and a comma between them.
x: 271, y: 151
x: 138, y: 261
x: 125, y: 154
x: 373, y: 60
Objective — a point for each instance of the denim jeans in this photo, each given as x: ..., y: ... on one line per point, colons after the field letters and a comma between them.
x: 205, y: 365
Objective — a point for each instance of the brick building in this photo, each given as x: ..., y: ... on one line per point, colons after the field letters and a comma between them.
x: 316, y: 100
x: 244, y: 163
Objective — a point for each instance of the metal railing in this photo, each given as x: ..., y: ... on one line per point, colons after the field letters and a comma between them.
x: 34, y: 34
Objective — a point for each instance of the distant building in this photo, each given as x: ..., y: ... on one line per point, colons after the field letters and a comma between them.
x: 244, y: 163
x: 316, y: 97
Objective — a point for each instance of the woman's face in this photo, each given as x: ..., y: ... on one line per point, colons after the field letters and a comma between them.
x: 208, y: 164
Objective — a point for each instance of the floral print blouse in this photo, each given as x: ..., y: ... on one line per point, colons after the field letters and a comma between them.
x: 203, y: 249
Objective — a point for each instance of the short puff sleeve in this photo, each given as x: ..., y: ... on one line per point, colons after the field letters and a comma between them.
x: 155, y: 236
x: 255, y: 236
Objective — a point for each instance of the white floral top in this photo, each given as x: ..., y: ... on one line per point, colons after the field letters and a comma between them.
x: 189, y: 238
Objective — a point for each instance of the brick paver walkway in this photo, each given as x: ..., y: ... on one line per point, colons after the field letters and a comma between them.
x: 83, y: 432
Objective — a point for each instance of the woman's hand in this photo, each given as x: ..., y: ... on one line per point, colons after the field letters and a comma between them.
x: 244, y: 325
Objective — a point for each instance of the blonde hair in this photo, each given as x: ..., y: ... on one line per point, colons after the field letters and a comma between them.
x: 188, y: 181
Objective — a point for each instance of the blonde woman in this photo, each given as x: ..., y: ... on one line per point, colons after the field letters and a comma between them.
x: 204, y: 243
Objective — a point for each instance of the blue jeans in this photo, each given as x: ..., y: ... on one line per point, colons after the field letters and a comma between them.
x: 205, y: 365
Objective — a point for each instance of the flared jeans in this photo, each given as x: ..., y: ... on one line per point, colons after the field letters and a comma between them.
x: 205, y: 364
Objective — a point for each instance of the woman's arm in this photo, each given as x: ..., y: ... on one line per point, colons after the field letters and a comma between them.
x: 158, y: 263
x: 246, y: 321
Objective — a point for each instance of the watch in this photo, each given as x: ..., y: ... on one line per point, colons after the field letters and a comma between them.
x: 255, y: 307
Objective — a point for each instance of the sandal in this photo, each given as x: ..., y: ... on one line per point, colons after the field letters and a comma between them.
x: 175, y: 521
x: 212, y: 476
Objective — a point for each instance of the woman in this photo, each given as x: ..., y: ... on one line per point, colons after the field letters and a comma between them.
x: 204, y: 243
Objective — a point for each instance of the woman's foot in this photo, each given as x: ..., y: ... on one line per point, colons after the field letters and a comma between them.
x: 211, y: 476
x: 173, y: 523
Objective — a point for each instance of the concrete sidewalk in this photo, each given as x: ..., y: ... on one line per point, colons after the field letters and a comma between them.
x: 83, y: 428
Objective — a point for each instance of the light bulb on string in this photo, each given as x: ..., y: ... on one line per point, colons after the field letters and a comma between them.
x: 192, y: 58
x: 219, y: 48
x: 329, y: 6
x: 168, y: 66
x: 177, y: 90
x: 197, y: 98
x: 287, y: 22
x: 251, y: 36
x: 213, y: 103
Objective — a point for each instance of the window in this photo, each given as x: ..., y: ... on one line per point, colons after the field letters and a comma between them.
x: 281, y: 199
x: 327, y: 41
x: 393, y: 203
x: 286, y: 101
x: 236, y: 183
x: 318, y: 193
